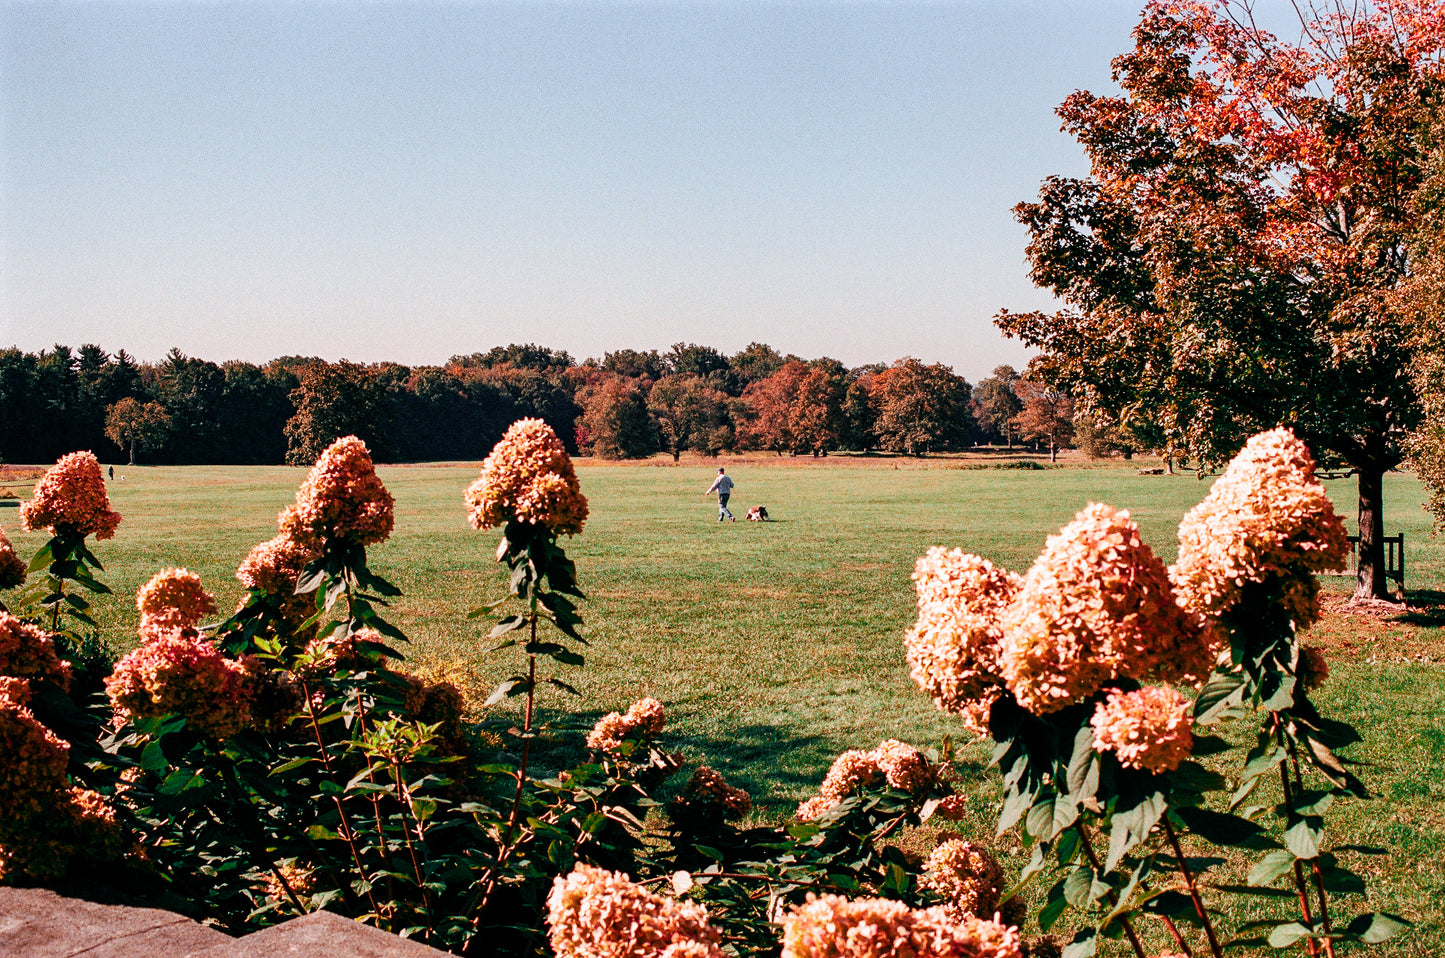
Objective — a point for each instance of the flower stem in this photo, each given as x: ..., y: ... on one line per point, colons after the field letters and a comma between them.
x: 1199, y: 908
x: 1129, y: 932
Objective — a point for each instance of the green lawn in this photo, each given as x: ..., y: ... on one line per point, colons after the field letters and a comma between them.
x: 777, y: 645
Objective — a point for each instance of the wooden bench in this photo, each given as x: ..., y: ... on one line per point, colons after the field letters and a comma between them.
x: 1394, y: 557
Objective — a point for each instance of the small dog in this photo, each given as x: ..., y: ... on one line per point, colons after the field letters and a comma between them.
x: 758, y: 514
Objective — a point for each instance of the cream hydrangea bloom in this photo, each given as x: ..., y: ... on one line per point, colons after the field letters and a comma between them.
x: 833, y: 927
x: 1147, y: 729
x: 645, y: 716
x: 528, y: 478
x: 1268, y: 516
x: 900, y: 765
x: 953, y: 649
x: 71, y: 498
x: 966, y: 876
x: 594, y: 913
x: 12, y: 567
x: 1096, y: 605
x: 172, y: 600
x: 342, y: 498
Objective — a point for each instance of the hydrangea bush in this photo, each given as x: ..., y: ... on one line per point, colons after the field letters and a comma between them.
x: 284, y: 760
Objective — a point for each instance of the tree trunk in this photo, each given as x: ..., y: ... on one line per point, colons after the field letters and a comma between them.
x: 1370, y: 580
x: 132, y: 452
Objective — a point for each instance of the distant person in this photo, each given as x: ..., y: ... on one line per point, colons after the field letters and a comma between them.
x: 723, y: 486
x: 112, y: 473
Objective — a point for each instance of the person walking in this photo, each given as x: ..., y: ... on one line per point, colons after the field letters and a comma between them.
x: 723, y: 486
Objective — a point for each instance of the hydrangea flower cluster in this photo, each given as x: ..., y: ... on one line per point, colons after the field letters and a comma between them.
x: 26, y: 652
x: 833, y: 927
x: 1147, y: 729
x: 901, y: 765
x: 12, y: 567
x: 32, y: 758
x: 966, y: 876
x: 1096, y: 605
x: 173, y: 600
x: 594, y: 913
x: 342, y: 498
x: 274, y: 567
x: 300, y: 878
x: 182, y: 674
x: 1312, y: 670
x: 1266, y: 517
x: 71, y: 499
x: 953, y: 649
x: 707, y: 786
x: 528, y: 478
x: 643, y: 717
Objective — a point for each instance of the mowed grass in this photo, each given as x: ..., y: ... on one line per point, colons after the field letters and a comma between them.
x: 775, y: 646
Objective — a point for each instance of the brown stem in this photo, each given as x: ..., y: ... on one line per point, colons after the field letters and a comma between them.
x: 1178, y: 938
x: 1301, y: 889
x: 408, y: 808
x: 348, y: 834
x: 1319, y: 880
x: 1088, y: 847
x: 1199, y: 908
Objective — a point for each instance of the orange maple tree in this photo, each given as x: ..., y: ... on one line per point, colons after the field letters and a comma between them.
x: 1232, y: 261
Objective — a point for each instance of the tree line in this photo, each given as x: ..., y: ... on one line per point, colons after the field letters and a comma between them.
x: 628, y: 404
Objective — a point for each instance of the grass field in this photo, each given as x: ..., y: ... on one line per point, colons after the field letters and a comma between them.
x: 777, y: 645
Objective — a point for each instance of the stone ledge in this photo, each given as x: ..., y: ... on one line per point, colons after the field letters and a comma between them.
x: 38, y: 923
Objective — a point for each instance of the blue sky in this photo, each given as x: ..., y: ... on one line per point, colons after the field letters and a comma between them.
x: 409, y: 181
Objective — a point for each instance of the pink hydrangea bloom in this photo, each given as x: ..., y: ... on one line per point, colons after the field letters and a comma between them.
x: 708, y: 785
x: 644, y: 717
x: 1266, y: 517
x: 594, y: 913
x: 953, y: 649
x: 952, y: 808
x: 1313, y: 670
x: 26, y: 652
x: 342, y: 498
x: 71, y: 498
x: 32, y: 758
x: 172, y: 600
x: 966, y: 876
x: 12, y: 567
x: 901, y: 765
x: 274, y: 567
x: 182, y: 674
x: 1096, y: 605
x: 528, y: 478
x: 833, y: 927
x: 1147, y: 729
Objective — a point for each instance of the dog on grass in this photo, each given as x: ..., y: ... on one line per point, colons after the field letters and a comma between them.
x: 758, y: 514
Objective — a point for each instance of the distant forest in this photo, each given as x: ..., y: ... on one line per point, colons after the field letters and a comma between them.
x: 628, y: 404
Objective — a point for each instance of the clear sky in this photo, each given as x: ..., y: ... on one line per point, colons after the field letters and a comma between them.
x: 409, y: 181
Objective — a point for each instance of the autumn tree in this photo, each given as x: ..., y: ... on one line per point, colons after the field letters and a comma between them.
x: 815, y: 410
x: 334, y: 400
x: 1230, y: 263
x: 995, y: 404
x: 133, y: 425
x: 690, y: 414
x: 1045, y: 414
x: 921, y: 408
x: 615, y: 423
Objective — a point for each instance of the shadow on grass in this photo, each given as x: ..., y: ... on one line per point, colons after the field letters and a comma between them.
x: 1427, y: 609
x: 776, y: 765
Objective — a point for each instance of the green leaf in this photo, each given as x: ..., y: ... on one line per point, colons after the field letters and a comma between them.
x: 1222, y: 692
x: 1271, y: 867
x: 1051, y: 912
x: 1282, y: 936
x: 1080, y: 888
x: 1375, y: 927
x: 1132, y: 825
x: 1303, y: 837
x: 1083, y: 944
x: 507, y: 689
x: 1083, y: 771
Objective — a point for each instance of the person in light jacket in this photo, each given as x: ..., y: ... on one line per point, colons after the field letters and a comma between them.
x: 723, y: 486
